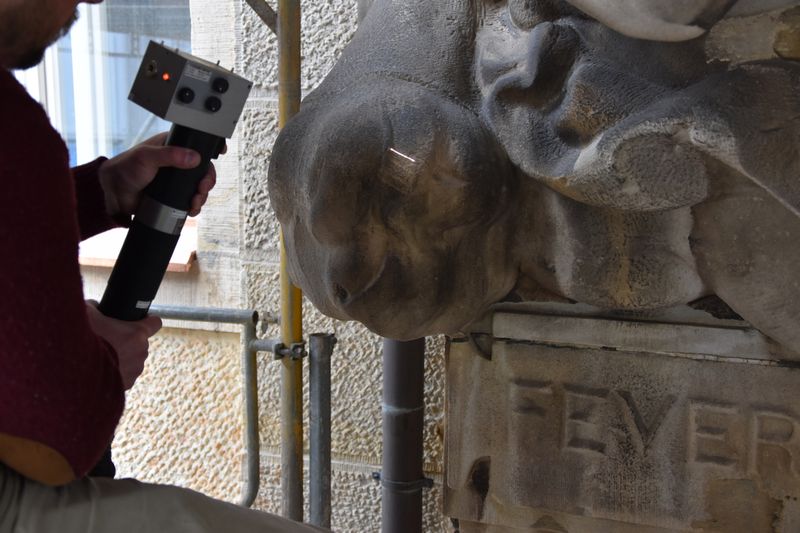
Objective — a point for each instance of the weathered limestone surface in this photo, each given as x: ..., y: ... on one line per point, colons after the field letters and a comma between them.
x: 567, y: 423
x: 464, y: 153
x: 632, y: 156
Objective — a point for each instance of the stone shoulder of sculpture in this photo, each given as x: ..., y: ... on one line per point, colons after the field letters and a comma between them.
x: 462, y: 151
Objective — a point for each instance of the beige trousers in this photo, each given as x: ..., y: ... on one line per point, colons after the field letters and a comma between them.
x: 97, y: 505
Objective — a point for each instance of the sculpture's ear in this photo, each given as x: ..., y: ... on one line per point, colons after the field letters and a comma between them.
x: 532, y: 68
x: 528, y: 13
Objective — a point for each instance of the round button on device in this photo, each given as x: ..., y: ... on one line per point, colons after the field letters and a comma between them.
x: 185, y: 95
x: 213, y: 104
x: 220, y: 85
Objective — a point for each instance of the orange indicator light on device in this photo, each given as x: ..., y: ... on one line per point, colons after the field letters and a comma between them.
x: 165, y: 76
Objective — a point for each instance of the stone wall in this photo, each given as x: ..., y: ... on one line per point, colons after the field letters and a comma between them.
x: 183, y: 423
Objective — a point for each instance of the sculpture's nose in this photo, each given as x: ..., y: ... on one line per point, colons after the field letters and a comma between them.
x: 352, y: 272
x: 341, y: 294
x: 373, y: 189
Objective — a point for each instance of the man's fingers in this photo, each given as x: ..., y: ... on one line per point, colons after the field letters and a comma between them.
x: 169, y: 156
x: 198, y: 202
x: 151, y: 324
x: 203, y: 188
x: 208, y: 182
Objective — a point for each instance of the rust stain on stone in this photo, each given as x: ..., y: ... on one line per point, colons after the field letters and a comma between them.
x: 739, y: 505
x: 623, y: 292
x: 787, y: 36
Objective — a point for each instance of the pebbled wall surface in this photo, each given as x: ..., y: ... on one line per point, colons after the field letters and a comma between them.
x: 182, y: 425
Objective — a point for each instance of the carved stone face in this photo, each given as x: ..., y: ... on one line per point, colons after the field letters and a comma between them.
x: 461, y: 149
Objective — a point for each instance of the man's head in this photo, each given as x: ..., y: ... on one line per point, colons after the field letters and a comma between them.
x: 28, y: 27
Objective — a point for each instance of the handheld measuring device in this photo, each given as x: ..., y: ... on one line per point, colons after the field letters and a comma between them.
x: 204, y: 102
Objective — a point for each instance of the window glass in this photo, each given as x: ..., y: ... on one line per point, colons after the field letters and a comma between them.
x: 85, y: 78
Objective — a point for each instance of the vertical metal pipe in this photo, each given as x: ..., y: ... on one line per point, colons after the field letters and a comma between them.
x: 403, y: 423
x: 321, y: 349
x: 248, y: 320
x: 289, y: 60
x: 250, y: 384
x: 291, y: 402
x: 291, y: 297
x: 292, y: 438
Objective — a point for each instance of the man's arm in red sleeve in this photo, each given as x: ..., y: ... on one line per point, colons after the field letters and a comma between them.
x: 92, y: 215
x: 60, y: 386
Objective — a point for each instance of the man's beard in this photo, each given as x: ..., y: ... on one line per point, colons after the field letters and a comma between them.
x: 33, y: 56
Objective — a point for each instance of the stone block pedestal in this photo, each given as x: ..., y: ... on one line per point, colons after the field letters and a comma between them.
x: 559, y: 421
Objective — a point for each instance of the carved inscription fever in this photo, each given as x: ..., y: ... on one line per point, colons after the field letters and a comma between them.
x: 744, y: 439
x: 583, y: 411
x: 768, y: 449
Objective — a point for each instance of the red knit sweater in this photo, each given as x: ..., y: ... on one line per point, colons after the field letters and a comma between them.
x: 59, y: 382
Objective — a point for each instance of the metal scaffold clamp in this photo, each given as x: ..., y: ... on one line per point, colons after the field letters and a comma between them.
x: 295, y: 351
x: 403, y: 486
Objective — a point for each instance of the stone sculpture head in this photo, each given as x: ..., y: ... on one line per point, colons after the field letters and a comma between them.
x: 388, y: 201
x: 464, y: 149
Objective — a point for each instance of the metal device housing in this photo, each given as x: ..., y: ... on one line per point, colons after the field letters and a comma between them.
x: 164, y: 72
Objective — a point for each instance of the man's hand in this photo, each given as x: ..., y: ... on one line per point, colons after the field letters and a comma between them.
x: 129, y: 340
x: 125, y: 176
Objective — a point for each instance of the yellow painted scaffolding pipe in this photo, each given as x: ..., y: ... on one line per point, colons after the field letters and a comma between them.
x: 291, y: 297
